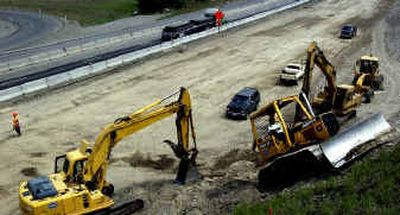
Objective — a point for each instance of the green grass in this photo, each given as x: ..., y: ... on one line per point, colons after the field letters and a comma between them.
x: 86, y: 12
x: 91, y: 12
x: 371, y: 186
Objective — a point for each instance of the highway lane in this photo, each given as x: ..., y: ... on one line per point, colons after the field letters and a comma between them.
x: 149, y: 32
x: 29, y: 27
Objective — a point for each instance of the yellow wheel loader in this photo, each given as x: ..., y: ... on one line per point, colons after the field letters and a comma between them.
x: 367, y: 74
x: 78, y: 184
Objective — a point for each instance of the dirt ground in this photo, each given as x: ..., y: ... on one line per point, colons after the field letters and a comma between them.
x: 213, y: 69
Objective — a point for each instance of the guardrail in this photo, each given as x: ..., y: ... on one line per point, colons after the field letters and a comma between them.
x: 58, y: 53
x: 107, y: 65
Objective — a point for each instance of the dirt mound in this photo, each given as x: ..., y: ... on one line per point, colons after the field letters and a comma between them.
x: 37, y: 154
x: 233, y: 156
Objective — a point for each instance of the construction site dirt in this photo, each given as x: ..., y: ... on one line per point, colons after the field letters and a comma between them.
x: 213, y: 69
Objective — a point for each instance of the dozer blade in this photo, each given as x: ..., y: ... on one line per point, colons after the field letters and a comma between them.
x: 318, y: 159
x: 353, y: 142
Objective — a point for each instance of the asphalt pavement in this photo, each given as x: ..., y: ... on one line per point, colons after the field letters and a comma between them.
x: 29, y: 28
x: 34, y: 26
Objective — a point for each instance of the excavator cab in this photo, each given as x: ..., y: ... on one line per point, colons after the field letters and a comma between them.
x: 71, y: 164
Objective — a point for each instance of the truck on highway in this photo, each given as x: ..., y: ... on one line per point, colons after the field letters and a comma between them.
x: 172, y: 32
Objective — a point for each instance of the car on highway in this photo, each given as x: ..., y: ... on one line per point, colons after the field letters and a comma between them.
x: 291, y: 73
x: 210, y: 12
x: 243, y: 103
x: 348, y: 31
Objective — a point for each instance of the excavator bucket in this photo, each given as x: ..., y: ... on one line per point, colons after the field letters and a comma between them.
x: 315, y: 160
x: 187, y: 170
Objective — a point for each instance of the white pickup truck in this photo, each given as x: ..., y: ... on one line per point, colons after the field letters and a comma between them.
x: 291, y: 73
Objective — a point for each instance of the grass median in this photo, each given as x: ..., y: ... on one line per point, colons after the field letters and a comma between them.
x: 86, y: 12
x: 92, y: 12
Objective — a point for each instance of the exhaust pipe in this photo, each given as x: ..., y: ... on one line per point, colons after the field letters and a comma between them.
x: 353, y: 142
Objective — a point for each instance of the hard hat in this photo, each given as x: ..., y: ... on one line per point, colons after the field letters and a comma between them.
x: 15, y: 113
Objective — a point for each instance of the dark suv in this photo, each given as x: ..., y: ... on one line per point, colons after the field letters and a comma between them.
x: 348, y: 31
x: 243, y: 103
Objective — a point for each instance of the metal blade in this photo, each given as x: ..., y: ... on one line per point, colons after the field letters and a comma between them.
x: 347, y: 145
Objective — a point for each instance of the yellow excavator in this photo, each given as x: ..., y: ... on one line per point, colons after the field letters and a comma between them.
x: 341, y: 99
x: 79, y: 186
x: 367, y: 74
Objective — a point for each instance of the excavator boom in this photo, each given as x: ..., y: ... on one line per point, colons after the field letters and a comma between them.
x: 315, y: 56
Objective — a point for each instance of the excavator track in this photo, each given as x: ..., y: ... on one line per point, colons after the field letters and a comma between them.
x: 126, y: 207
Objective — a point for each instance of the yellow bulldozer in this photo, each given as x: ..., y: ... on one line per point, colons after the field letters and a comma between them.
x: 78, y: 184
x: 293, y: 142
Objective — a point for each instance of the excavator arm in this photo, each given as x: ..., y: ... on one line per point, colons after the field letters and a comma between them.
x: 97, y: 164
x: 315, y: 56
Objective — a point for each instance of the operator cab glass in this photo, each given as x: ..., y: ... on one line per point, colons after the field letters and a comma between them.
x: 61, y: 164
x: 69, y: 168
x: 368, y: 66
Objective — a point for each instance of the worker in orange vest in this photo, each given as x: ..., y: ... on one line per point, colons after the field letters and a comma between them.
x: 15, y: 123
x: 219, y: 16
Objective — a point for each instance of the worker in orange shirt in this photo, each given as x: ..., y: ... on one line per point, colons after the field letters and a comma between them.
x: 15, y: 123
x: 219, y: 16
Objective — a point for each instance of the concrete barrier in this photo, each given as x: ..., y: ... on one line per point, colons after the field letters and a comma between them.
x: 80, y: 72
x: 110, y: 64
x: 58, y: 79
x: 10, y: 93
x: 97, y: 67
x: 33, y: 86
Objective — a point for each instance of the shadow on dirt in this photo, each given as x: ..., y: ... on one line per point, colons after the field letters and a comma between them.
x: 287, y: 171
x: 30, y: 171
x: 37, y: 154
x: 160, y: 162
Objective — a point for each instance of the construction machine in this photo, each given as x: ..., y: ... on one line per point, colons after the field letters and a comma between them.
x: 78, y: 184
x: 367, y: 74
x: 341, y: 99
x: 275, y: 132
x: 292, y: 148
